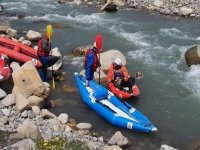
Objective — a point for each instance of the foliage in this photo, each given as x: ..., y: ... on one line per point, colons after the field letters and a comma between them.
x: 61, y: 144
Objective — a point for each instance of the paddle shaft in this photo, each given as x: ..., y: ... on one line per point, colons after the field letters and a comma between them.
x: 99, y: 68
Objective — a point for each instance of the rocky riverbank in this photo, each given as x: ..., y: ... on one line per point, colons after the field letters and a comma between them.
x: 184, y: 8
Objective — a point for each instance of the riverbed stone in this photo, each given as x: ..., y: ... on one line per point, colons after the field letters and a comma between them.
x: 63, y: 118
x: 25, y: 144
x: 14, y: 66
x: 166, y: 147
x: 11, y: 32
x: 113, y: 147
x: 33, y: 35
x: 84, y: 126
x: 118, y: 139
x: 36, y: 110
x: 6, y: 112
x: 26, y: 42
x: 35, y: 100
x: 2, y: 93
x: 185, y: 11
x: 47, y: 114
x: 24, y: 114
x: 4, y: 120
x: 29, y: 130
x: 9, y: 100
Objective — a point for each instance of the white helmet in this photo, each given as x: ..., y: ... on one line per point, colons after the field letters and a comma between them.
x: 118, y: 62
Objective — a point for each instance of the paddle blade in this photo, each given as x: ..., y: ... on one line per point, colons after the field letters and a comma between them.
x: 53, y: 85
x: 99, y: 42
x: 49, y: 32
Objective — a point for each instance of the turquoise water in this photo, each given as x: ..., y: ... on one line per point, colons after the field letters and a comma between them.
x: 152, y: 44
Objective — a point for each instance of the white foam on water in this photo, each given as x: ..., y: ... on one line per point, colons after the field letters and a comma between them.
x: 141, y: 55
x: 15, y: 6
x: 95, y: 18
x: 77, y: 61
x: 192, y: 79
x: 138, y: 38
x: 75, y: 2
x: 176, y: 33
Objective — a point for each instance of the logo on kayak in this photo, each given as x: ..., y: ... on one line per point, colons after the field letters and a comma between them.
x: 129, y: 125
x: 34, y: 61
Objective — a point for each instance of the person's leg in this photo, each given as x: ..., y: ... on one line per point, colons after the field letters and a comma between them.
x: 88, y: 76
x: 43, y: 70
x: 130, y: 82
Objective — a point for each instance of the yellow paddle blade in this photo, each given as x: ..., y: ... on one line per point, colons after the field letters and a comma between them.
x: 53, y: 85
x: 49, y: 32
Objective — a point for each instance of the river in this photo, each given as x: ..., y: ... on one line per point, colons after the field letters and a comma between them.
x: 153, y: 44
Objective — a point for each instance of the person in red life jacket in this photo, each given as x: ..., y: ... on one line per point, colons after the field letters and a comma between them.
x: 43, y: 53
x: 91, y: 63
x: 118, y: 75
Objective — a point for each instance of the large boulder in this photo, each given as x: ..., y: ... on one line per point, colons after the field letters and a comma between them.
x: 58, y: 64
x: 28, y: 81
x: 109, y: 7
x: 109, y: 56
x: 33, y: 35
x: 192, y: 56
x: 96, y: 75
x: 21, y: 102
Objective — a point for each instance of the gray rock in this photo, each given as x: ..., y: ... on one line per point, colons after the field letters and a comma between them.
x: 31, y: 114
x: 84, y: 126
x: 29, y: 130
x: 114, y: 147
x: 63, y: 118
x: 4, y: 120
x: 6, y: 111
x: 166, y: 147
x: 11, y: 32
x: 26, y: 144
x: 118, y: 139
x: 2, y: 93
x: 24, y: 114
x: 9, y: 100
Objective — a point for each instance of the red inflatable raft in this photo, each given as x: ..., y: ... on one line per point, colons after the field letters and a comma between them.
x: 124, y: 94
x: 4, y: 68
x: 18, y: 51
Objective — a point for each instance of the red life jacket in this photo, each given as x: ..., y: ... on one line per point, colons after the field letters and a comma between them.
x: 96, y: 61
x: 43, y: 47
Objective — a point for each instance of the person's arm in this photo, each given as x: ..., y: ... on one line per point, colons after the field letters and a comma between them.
x: 125, y: 73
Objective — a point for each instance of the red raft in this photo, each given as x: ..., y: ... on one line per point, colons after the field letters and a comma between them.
x: 4, y: 68
x: 124, y: 94
x: 18, y: 51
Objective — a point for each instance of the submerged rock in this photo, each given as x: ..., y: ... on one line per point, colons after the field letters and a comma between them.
x: 192, y: 56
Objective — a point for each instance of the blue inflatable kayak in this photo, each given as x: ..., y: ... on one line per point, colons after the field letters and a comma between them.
x: 107, y: 105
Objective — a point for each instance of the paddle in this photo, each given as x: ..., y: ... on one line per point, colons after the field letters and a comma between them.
x: 99, y: 42
x: 49, y: 35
